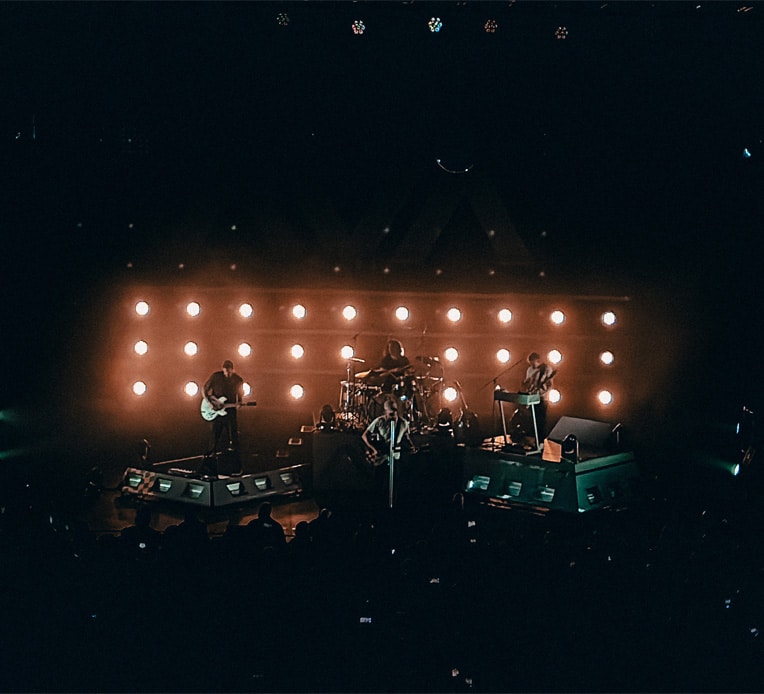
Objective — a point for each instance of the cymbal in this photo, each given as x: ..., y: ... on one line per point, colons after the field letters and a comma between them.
x: 358, y: 359
x: 363, y: 374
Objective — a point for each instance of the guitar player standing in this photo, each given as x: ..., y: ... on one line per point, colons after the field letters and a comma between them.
x: 224, y: 429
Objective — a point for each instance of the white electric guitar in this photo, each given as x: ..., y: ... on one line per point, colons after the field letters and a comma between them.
x: 210, y: 410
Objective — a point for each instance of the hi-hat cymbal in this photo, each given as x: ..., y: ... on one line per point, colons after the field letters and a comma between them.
x: 363, y: 374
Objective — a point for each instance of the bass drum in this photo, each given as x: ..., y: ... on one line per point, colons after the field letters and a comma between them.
x: 467, y: 429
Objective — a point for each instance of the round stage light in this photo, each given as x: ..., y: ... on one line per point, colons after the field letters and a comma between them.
x: 608, y: 318
x: 142, y: 308
x: 605, y: 397
x: 247, y: 389
x: 450, y: 394
x: 402, y: 313
x: 491, y: 26
x: 503, y: 355
x: 454, y: 314
x: 282, y: 19
x: 607, y: 358
x: 557, y: 317
x: 191, y: 348
x: 246, y: 310
x: 297, y: 351
x: 297, y: 391
x: 244, y: 349
x: 451, y: 354
x: 554, y: 396
x: 191, y: 389
x: 554, y: 356
x: 347, y: 352
x: 358, y: 27
x: 561, y: 33
x: 349, y: 312
x: 435, y: 25
x: 505, y: 315
x: 193, y: 308
x: 141, y: 347
x: 299, y: 311
x: 139, y: 388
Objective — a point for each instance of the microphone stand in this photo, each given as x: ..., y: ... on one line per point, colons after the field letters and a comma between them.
x: 501, y: 404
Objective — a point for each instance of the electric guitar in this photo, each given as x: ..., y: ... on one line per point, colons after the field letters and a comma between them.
x: 209, y: 410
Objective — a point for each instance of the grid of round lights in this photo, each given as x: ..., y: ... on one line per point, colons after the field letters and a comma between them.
x: 435, y: 25
x: 358, y: 27
x: 491, y: 26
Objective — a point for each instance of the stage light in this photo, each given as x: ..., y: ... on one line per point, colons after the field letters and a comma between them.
x: 454, y: 314
x: 297, y: 351
x: 554, y: 356
x: 297, y: 391
x: 561, y: 33
x: 402, y: 313
x: 557, y: 317
x: 141, y: 347
x: 503, y: 355
x: 142, y: 308
x: 608, y: 318
x: 435, y: 25
x: 193, y: 309
x: 450, y: 394
x: 299, y: 311
x: 246, y: 310
x: 358, y: 27
x: 607, y: 357
x: 491, y: 26
x: 244, y: 349
x: 191, y: 348
x: 139, y: 388
x: 282, y: 19
x: 247, y: 389
x: 554, y: 396
x: 349, y: 312
x: 505, y: 315
x: 605, y: 397
x: 191, y: 389
x: 451, y: 354
x: 347, y: 352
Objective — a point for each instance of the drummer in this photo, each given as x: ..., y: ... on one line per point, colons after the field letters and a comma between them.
x: 391, y: 367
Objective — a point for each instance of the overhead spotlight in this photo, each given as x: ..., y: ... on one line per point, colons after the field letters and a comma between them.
x: 282, y: 19
x: 142, y: 308
x: 435, y: 25
x: 193, y: 308
x: 491, y: 26
x: 358, y: 27
x: 561, y: 33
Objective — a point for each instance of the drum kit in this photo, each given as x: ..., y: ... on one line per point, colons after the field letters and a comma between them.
x: 416, y: 387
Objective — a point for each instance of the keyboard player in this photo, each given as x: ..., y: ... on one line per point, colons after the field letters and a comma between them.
x: 538, y: 380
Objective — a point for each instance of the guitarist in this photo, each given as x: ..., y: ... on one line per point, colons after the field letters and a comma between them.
x: 229, y: 385
x: 378, y: 432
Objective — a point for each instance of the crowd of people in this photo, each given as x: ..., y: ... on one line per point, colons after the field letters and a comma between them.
x: 662, y: 596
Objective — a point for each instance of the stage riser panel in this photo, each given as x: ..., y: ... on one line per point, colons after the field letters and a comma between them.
x: 554, y: 486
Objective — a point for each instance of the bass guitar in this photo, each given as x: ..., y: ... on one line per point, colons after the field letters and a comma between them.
x: 219, y: 408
